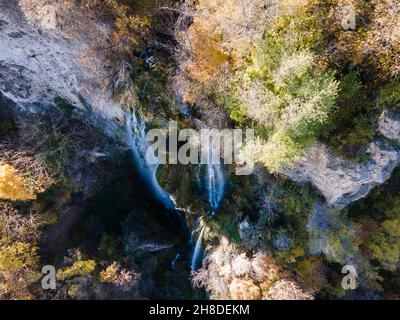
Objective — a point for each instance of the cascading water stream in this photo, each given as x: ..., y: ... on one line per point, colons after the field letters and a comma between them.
x: 136, y: 139
x: 197, y: 253
x: 215, y: 185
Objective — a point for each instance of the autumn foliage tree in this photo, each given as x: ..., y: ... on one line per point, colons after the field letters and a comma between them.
x: 12, y: 185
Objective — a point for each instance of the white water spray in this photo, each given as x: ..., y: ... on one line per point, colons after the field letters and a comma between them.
x: 215, y: 180
x: 197, y: 250
x: 136, y: 139
x: 215, y: 185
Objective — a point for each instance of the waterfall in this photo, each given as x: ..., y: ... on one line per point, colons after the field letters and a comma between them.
x: 136, y: 139
x: 215, y: 185
x: 197, y: 250
x: 215, y: 180
x: 173, y: 263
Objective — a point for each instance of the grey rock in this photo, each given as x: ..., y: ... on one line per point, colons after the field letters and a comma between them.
x: 47, y: 51
x: 389, y: 125
x: 342, y: 182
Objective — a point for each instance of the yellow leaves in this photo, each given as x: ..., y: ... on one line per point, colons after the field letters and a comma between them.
x: 208, y: 56
x: 129, y: 30
x: 15, y: 256
x: 221, y: 33
x: 392, y: 228
x: 110, y: 274
x: 292, y: 254
x: 79, y: 268
x: 298, y: 252
x: 119, y: 276
x: 13, y: 186
x: 241, y: 22
x: 217, y: 44
x: 274, y: 153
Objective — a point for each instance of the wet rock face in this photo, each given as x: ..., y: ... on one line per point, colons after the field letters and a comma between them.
x: 342, y: 182
x: 48, y: 50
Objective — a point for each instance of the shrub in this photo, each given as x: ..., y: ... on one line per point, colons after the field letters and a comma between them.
x: 389, y: 96
x: 56, y: 150
x: 18, y: 226
x: 129, y: 29
x: 312, y: 272
x: 382, y: 44
x: 79, y: 268
x: 16, y: 256
x: 224, y: 224
x: 229, y: 273
x: 18, y: 269
x: 292, y: 101
x: 64, y: 105
x: 19, y: 235
x: 350, y: 129
x: 116, y: 275
x: 216, y: 44
x: 287, y: 290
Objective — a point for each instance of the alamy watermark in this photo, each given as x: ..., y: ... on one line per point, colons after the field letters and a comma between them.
x: 49, y: 280
x: 349, y: 281
x: 349, y: 17
x: 205, y: 146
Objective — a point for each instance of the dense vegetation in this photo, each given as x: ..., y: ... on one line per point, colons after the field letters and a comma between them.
x: 288, y: 69
x: 298, y: 77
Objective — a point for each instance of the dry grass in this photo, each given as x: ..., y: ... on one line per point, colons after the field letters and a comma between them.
x: 17, y: 226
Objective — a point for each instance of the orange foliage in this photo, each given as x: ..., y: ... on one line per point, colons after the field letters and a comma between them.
x: 207, y: 56
x: 129, y: 30
x: 12, y: 185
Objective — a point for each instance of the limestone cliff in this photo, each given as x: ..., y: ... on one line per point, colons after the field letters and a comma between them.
x: 342, y: 182
x: 48, y: 48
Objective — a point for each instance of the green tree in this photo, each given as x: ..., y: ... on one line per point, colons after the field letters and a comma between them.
x: 386, y: 244
x: 292, y: 102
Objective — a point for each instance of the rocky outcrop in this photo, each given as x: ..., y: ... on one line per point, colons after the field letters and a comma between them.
x: 389, y: 125
x: 49, y: 49
x: 342, y: 182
